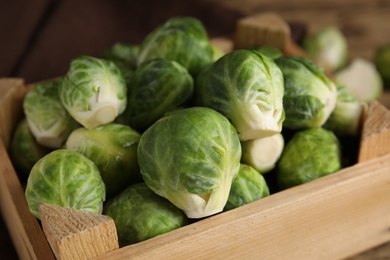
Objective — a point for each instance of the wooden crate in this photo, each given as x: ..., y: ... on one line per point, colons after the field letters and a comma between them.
x: 333, y: 217
x: 330, y: 218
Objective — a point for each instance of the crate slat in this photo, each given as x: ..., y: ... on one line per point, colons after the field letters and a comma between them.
x: 333, y: 217
x: 375, y: 137
x: 24, y: 229
x: 74, y: 234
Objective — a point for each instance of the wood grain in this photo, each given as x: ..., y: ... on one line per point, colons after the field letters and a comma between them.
x: 330, y: 218
x: 25, y: 231
x: 262, y: 29
x: 366, y: 24
x: 13, y: 91
x: 74, y: 234
x: 375, y: 137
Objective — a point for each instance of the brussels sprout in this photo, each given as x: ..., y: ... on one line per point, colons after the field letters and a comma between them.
x: 346, y: 117
x: 309, y: 96
x: 93, y: 91
x: 190, y: 157
x: 310, y: 154
x: 140, y: 214
x: 270, y: 52
x: 328, y: 47
x: 382, y: 62
x: 126, y: 71
x: 24, y: 150
x: 113, y: 148
x: 217, y: 52
x: 158, y: 86
x: 246, y: 87
x: 67, y: 179
x: 125, y: 53
x: 182, y: 39
x: 262, y: 153
x: 362, y: 78
x: 248, y: 186
x: 47, y: 118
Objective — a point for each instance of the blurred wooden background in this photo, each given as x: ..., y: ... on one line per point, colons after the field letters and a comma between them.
x: 38, y: 38
x: 366, y: 23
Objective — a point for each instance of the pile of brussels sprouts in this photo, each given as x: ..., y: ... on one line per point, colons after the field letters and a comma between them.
x: 172, y: 130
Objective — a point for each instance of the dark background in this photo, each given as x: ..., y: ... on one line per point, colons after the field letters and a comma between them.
x: 38, y: 38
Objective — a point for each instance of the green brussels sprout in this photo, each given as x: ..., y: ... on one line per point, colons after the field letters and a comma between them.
x: 262, y: 153
x: 382, y: 63
x: 246, y: 87
x: 158, y: 86
x: 126, y: 71
x: 346, y: 118
x: 362, y: 78
x: 309, y: 96
x: 93, y: 91
x: 270, y: 52
x: 67, y: 179
x: 140, y: 214
x: 217, y: 52
x: 248, y: 186
x: 113, y: 148
x: 125, y: 53
x: 182, y: 39
x: 48, y: 120
x: 328, y: 47
x: 24, y: 151
x: 191, y: 157
x: 309, y: 155
x: 125, y: 56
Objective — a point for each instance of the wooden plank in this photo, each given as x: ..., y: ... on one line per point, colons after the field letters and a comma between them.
x: 330, y: 218
x: 24, y: 229
x: 12, y: 92
x: 266, y: 29
x: 365, y: 23
x: 375, y: 137
x: 262, y: 29
x: 74, y: 234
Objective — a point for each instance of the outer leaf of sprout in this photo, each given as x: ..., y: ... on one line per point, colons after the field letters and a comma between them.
x: 140, y: 214
x: 328, y: 48
x: 309, y: 96
x: 182, y: 39
x: 362, y: 78
x: 246, y: 87
x: 346, y: 118
x: 49, y: 121
x: 67, y: 179
x: 309, y: 155
x: 93, y: 91
x: 191, y: 157
x: 113, y: 148
x: 248, y: 186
